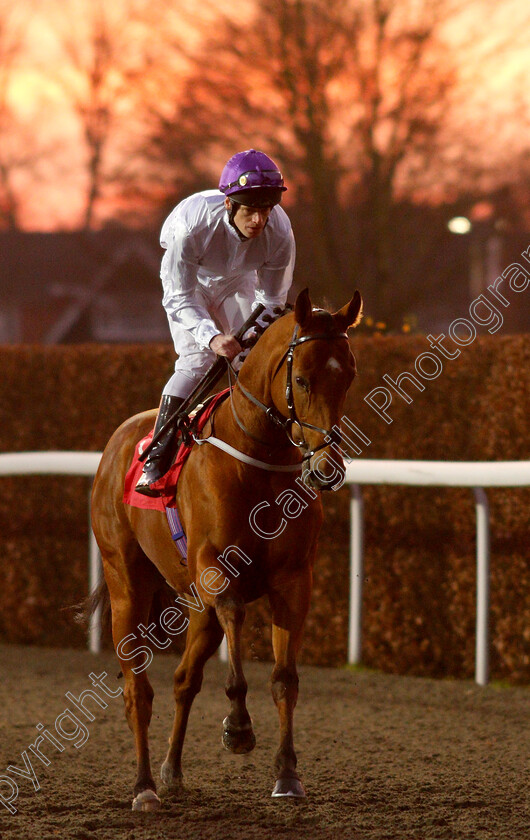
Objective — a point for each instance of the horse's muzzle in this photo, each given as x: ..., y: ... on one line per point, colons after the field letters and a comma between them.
x: 317, y: 480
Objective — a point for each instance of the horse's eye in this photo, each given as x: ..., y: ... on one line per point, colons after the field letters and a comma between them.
x: 302, y: 382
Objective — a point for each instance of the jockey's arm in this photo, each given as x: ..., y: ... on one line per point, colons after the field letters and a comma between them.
x: 275, y: 278
x: 225, y: 345
x: 179, y: 269
x: 274, y: 281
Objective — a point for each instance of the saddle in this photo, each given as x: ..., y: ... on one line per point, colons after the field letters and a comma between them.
x: 168, y: 482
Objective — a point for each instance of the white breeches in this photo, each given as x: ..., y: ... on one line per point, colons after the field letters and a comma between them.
x: 230, y: 313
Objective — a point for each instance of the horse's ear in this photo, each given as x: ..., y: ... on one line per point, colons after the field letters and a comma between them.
x: 351, y: 314
x: 303, y: 308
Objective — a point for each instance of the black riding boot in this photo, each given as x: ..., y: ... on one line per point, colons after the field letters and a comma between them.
x: 163, y: 452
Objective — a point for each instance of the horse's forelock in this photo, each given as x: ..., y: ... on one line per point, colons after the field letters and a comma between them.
x: 322, y: 321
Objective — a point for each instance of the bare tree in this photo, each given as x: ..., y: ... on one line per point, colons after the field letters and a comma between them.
x: 102, y: 44
x: 15, y: 156
x: 346, y: 94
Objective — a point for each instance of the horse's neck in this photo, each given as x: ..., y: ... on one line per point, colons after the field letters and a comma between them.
x: 263, y: 435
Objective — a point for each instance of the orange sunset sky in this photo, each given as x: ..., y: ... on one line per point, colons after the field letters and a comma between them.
x: 494, y: 72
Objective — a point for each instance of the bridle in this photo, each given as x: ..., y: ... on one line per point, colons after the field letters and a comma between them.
x: 286, y: 423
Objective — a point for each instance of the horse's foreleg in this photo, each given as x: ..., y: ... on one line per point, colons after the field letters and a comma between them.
x: 289, y: 609
x: 238, y: 735
x: 204, y: 636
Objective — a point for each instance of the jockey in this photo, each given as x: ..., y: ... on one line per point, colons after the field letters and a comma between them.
x: 227, y: 251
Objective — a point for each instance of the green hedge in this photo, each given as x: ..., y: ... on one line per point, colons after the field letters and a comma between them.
x: 419, y: 542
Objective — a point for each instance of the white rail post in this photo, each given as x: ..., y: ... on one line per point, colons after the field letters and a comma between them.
x: 94, y: 579
x: 483, y: 587
x: 356, y: 575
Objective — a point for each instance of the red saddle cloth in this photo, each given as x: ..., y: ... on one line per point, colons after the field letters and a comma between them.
x: 168, y: 482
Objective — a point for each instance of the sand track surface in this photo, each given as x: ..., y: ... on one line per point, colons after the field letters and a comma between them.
x: 382, y: 757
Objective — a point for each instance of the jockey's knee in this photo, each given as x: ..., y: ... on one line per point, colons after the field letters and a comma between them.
x: 188, y: 373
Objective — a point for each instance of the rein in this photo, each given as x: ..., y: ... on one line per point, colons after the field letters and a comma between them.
x: 273, y: 414
x: 247, y: 459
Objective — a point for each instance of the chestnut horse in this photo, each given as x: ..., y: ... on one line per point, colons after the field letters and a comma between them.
x: 291, y: 390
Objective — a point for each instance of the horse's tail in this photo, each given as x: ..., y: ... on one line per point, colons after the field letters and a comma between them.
x: 163, y: 597
x: 85, y: 609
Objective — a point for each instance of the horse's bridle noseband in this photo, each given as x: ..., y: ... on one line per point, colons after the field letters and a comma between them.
x: 330, y: 435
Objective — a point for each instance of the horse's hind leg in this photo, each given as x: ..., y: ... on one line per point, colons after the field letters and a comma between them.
x: 289, y: 609
x: 203, y: 638
x: 131, y: 600
x: 238, y: 735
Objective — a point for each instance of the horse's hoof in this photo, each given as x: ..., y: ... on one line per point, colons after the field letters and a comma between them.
x: 147, y: 800
x: 288, y: 789
x: 239, y: 741
x: 172, y: 781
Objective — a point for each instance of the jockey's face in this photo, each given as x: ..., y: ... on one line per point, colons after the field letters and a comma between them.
x: 250, y: 221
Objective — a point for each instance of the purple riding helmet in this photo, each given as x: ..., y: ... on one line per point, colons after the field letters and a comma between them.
x: 253, y: 179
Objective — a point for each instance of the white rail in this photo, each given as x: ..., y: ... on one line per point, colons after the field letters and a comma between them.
x: 64, y: 463
x: 49, y: 463
x: 474, y: 474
